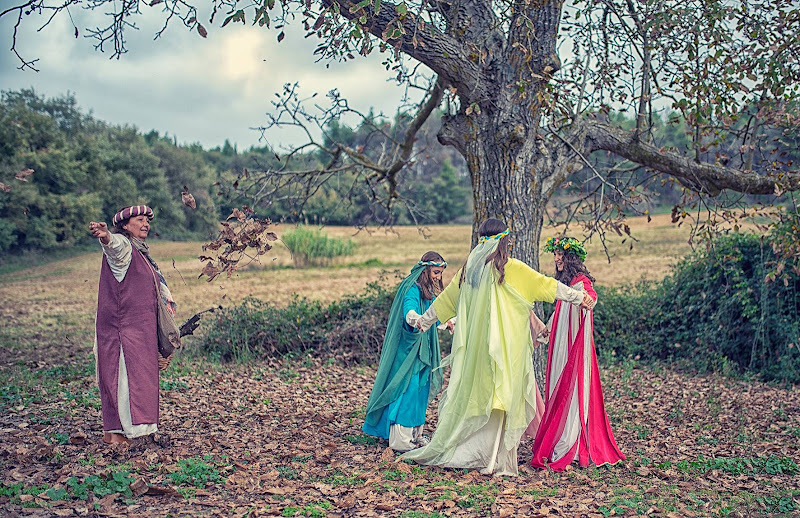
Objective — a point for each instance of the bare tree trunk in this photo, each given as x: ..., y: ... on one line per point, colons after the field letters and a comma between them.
x: 502, y: 158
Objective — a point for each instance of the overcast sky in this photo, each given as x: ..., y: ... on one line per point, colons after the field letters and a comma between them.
x: 200, y: 90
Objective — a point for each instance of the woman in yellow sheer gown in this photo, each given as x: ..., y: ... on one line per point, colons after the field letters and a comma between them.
x: 491, y: 397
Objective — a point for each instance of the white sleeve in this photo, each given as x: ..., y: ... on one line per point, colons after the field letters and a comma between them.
x: 118, y: 254
x: 428, y: 318
x: 567, y: 294
x: 412, y: 317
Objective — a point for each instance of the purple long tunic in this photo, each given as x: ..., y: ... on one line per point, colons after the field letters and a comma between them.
x: 126, y: 317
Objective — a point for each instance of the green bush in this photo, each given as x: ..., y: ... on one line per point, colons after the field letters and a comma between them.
x: 8, y: 238
x: 312, y: 247
x: 352, y: 327
x: 715, y: 311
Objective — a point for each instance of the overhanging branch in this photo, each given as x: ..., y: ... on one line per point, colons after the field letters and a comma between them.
x: 442, y: 53
x: 706, y: 178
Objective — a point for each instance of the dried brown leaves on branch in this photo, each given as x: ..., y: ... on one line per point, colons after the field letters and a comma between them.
x: 188, y: 199
x: 244, y: 237
x: 23, y: 175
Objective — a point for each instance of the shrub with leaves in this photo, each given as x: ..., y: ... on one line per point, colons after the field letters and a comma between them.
x: 352, y: 327
x: 721, y: 308
x: 312, y: 247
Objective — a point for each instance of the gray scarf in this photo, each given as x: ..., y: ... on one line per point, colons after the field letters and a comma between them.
x: 142, y: 247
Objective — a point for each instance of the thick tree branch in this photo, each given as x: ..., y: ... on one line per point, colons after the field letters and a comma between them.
x: 442, y: 53
x: 434, y: 99
x: 703, y: 177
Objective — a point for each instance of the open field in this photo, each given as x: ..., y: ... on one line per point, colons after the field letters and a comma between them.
x: 50, y: 309
x: 282, y: 437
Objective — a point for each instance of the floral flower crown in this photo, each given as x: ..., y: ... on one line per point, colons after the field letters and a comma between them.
x: 568, y: 245
x: 502, y: 234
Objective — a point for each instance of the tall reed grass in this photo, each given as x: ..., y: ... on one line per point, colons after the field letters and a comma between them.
x: 311, y: 247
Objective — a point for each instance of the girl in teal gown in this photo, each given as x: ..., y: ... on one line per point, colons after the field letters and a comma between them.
x: 408, y: 375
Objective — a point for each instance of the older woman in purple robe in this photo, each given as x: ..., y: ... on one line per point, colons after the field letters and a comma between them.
x: 126, y: 329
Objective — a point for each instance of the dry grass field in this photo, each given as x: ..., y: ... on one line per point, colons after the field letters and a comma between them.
x: 55, y: 303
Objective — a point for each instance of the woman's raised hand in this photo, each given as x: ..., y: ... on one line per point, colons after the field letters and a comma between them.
x: 100, y: 231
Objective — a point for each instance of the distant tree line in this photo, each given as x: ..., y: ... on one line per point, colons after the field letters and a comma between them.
x: 85, y: 169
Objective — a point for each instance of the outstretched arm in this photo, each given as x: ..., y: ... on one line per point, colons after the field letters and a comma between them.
x: 447, y: 301
x: 100, y: 231
x: 573, y: 296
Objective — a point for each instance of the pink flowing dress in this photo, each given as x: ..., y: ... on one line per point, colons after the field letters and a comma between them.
x: 575, y: 425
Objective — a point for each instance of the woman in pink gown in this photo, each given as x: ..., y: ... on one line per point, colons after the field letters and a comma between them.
x: 575, y: 425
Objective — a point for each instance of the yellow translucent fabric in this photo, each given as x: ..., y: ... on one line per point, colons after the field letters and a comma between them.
x: 530, y: 284
x: 490, y: 359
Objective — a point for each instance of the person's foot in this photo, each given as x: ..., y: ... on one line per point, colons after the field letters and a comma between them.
x: 115, y: 438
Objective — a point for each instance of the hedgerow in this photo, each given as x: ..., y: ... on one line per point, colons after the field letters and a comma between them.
x: 720, y: 309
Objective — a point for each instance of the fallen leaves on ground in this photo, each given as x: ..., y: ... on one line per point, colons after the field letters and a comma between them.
x: 283, y: 438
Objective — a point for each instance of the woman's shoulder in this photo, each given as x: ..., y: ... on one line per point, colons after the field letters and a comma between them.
x: 117, y: 243
x: 581, y: 278
x: 413, y: 290
x: 120, y: 239
x: 516, y: 264
x: 516, y: 267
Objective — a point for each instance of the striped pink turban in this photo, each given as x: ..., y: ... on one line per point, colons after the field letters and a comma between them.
x: 130, y: 212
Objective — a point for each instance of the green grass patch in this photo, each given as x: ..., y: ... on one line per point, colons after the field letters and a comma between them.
x: 74, y: 488
x: 84, y: 399
x: 288, y: 472
x: 476, y: 497
x: 59, y: 438
x: 393, y: 474
x: 15, y: 262
x: 625, y: 500
x: 20, y: 386
x: 115, y: 482
x: 172, y: 384
x: 14, y: 491
x: 642, y: 431
x: 312, y: 247
x: 543, y: 492
x: 197, y: 472
x: 733, y: 465
x: 317, y: 509
x: 339, y: 478
x: 366, y: 440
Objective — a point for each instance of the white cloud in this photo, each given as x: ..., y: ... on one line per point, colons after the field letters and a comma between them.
x: 200, y: 90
